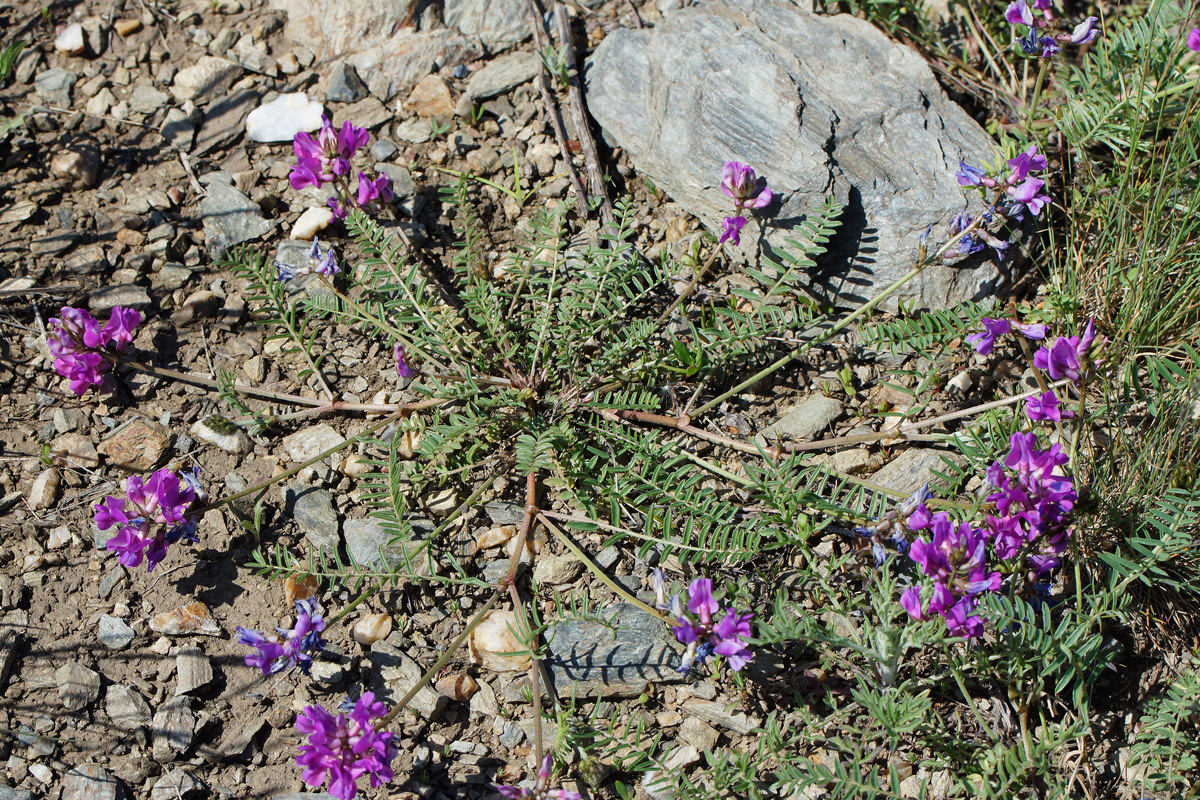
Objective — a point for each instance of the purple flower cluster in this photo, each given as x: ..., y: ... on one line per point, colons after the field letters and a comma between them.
x: 294, y: 650
x: 326, y: 159
x: 1033, y: 506
x: 985, y: 340
x: 956, y: 560
x: 152, y: 515
x: 695, y: 627
x: 540, y: 790
x: 345, y: 747
x: 1035, y: 42
x: 747, y: 190
x: 318, y: 262
x: 1046, y: 406
x: 1021, y: 192
x: 1069, y: 356
x: 80, y: 347
x: 1028, y: 533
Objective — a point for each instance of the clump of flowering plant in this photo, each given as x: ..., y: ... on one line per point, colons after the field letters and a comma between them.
x: 322, y: 263
x: 541, y: 789
x: 695, y: 626
x: 1013, y: 194
x: 326, y: 157
x: 153, y: 515
x: 343, y: 748
x: 747, y: 190
x: 82, y: 350
x: 1039, y: 20
x: 296, y: 646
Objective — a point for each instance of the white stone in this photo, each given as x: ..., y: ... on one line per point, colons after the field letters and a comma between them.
x: 495, y: 646
x: 70, y: 40
x: 44, y: 491
x: 312, y: 222
x: 282, y: 118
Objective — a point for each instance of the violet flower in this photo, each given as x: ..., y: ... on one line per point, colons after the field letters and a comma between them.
x: 1024, y: 163
x: 1193, y: 39
x: 296, y: 647
x: 342, y: 749
x: 80, y: 347
x: 956, y: 559
x: 694, y: 627
x: 403, y: 368
x: 747, y: 190
x: 1067, y: 357
x: 1084, y: 33
x: 1046, y: 407
x: 984, y: 341
x: 1033, y: 505
x: 540, y: 790
x: 972, y: 176
x: 370, y: 191
x: 152, y: 515
x: 731, y: 230
x: 1029, y: 194
x: 326, y: 157
x: 320, y: 261
x: 1018, y: 13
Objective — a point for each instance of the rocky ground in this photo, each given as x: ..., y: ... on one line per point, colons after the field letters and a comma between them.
x: 132, y: 175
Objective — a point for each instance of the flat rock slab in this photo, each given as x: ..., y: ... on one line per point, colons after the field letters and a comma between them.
x: 912, y: 468
x: 818, y: 105
x: 594, y: 660
x: 230, y: 218
x: 90, y: 782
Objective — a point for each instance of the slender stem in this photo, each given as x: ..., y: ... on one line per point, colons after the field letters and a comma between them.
x: 526, y: 525
x: 355, y: 603
x: 962, y: 687
x: 1041, y: 379
x: 691, y: 287
x: 240, y: 388
x: 441, y: 662
x: 966, y: 412
x: 1038, y: 83
x: 595, y: 570
x: 366, y: 315
x: 249, y: 490
x: 535, y: 683
x: 842, y: 324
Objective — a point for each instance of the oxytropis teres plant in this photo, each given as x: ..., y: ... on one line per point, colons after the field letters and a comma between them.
x: 565, y: 365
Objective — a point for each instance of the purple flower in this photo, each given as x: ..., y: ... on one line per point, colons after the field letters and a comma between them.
x: 1033, y: 507
x: 402, y: 366
x: 327, y: 156
x: 321, y: 262
x: 371, y: 190
x: 1018, y: 13
x: 731, y: 230
x: 162, y: 502
x: 1046, y: 407
x: 1065, y: 358
x: 984, y: 341
x: 972, y: 176
x: 1029, y: 161
x: 297, y: 645
x: 82, y: 370
x: 956, y: 559
x: 1193, y: 39
x: 1084, y: 33
x: 694, y: 627
x: 1029, y: 194
x: 119, y: 330
x: 1049, y: 46
x: 747, y: 190
x: 79, y: 346
x: 342, y: 749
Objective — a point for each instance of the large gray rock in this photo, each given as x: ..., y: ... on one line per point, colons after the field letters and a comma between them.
x: 499, y: 23
x: 817, y: 105
x: 377, y: 39
x: 591, y: 659
x: 230, y: 218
